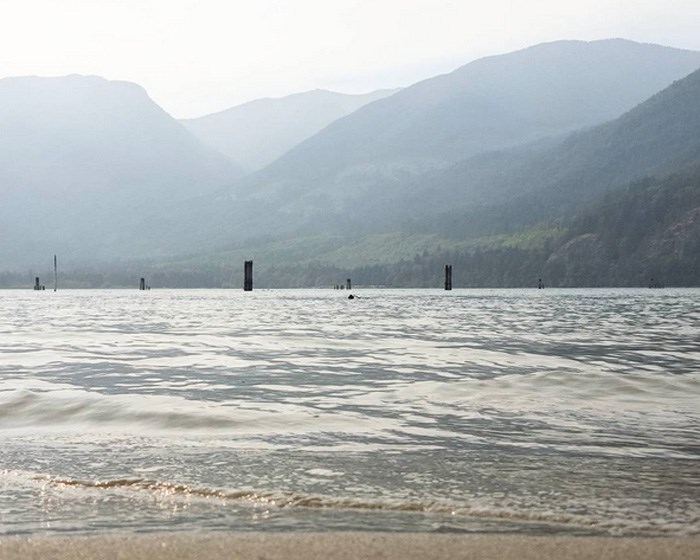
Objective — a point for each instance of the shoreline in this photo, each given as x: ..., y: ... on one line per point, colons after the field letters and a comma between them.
x: 343, y: 546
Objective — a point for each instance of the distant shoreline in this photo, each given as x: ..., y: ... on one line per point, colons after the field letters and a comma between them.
x: 354, y: 289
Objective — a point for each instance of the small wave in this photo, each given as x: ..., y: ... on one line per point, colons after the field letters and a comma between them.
x: 62, y: 408
x: 295, y: 500
x: 27, y: 407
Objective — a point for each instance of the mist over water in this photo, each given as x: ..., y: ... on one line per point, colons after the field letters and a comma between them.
x: 572, y: 411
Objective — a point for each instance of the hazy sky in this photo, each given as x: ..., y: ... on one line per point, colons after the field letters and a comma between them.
x: 199, y: 56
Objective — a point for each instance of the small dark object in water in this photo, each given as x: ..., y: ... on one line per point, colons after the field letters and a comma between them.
x: 351, y: 296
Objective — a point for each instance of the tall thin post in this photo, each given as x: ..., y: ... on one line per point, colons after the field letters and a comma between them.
x: 37, y: 284
x: 142, y: 284
x: 248, y: 276
x: 55, y: 274
x: 348, y: 284
x: 448, y: 276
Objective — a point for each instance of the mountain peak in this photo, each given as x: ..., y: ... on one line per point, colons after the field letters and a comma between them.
x: 74, y: 150
x: 258, y: 132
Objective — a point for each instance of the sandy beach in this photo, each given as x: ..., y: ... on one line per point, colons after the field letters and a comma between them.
x: 343, y: 546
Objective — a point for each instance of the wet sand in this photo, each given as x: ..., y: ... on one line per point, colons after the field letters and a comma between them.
x: 342, y: 546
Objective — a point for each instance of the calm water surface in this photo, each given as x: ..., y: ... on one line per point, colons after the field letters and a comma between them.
x: 575, y: 412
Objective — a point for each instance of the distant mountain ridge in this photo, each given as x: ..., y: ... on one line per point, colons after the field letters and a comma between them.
x: 256, y: 133
x: 528, y: 193
x: 81, y: 157
x: 613, y: 205
x: 493, y: 160
x: 378, y: 154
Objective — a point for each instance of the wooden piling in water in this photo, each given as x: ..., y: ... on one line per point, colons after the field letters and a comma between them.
x: 448, y: 277
x: 248, y: 276
x: 142, y: 284
x: 37, y: 284
x: 348, y: 284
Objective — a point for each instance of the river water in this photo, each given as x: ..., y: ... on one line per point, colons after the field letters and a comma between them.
x: 520, y: 411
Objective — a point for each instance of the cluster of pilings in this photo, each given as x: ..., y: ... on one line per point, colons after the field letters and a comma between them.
x: 143, y: 285
x: 346, y: 286
x: 38, y: 285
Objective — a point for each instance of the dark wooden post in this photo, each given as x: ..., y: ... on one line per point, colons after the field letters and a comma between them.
x: 37, y: 284
x: 248, y: 276
x: 142, y: 284
x: 448, y: 276
x: 348, y: 284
